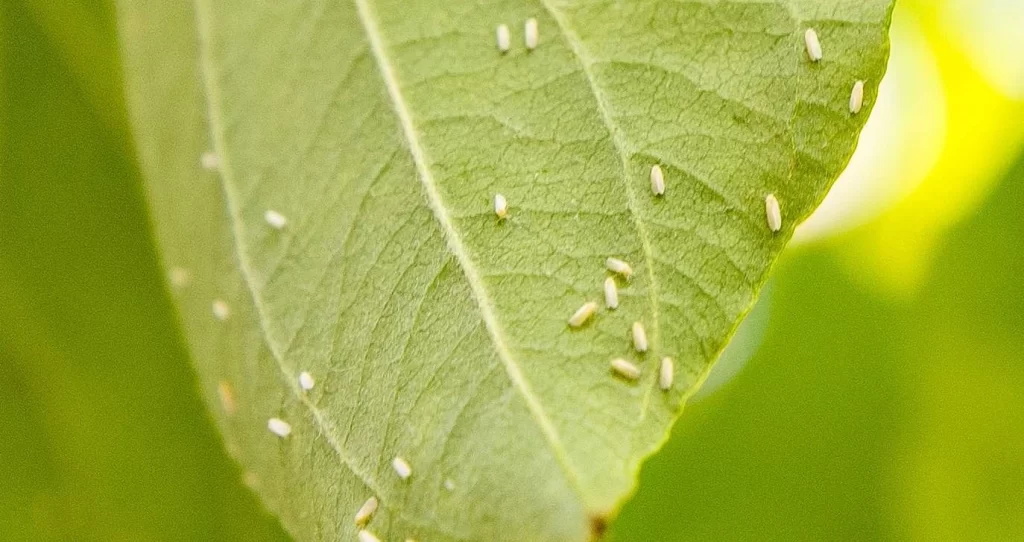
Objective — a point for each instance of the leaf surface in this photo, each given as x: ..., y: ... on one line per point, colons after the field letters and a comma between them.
x: 382, y: 129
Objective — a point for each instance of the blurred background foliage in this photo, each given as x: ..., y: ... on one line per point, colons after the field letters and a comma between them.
x: 876, y: 393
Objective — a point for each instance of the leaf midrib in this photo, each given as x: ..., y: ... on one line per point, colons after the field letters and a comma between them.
x: 455, y: 244
x: 458, y: 249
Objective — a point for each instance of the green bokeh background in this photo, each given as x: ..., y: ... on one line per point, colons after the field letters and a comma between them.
x: 862, y: 416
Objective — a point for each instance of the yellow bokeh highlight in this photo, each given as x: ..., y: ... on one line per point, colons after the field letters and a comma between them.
x: 984, y: 131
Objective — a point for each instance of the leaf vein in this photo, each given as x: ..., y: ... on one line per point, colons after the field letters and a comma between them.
x: 586, y: 65
x: 455, y: 244
x: 241, y: 252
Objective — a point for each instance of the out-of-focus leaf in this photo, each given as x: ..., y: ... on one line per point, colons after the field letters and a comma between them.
x: 103, y: 435
x: 965, y: 471
x: 75, y: 30
x: 382, y: 129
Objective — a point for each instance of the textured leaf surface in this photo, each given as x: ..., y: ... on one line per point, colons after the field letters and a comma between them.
x: 382, y: 129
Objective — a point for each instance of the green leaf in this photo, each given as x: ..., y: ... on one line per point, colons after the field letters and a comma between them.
x: 104, y: 437
x: 382, y: 129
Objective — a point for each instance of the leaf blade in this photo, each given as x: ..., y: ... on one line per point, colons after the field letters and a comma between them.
x: 481, y: 376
